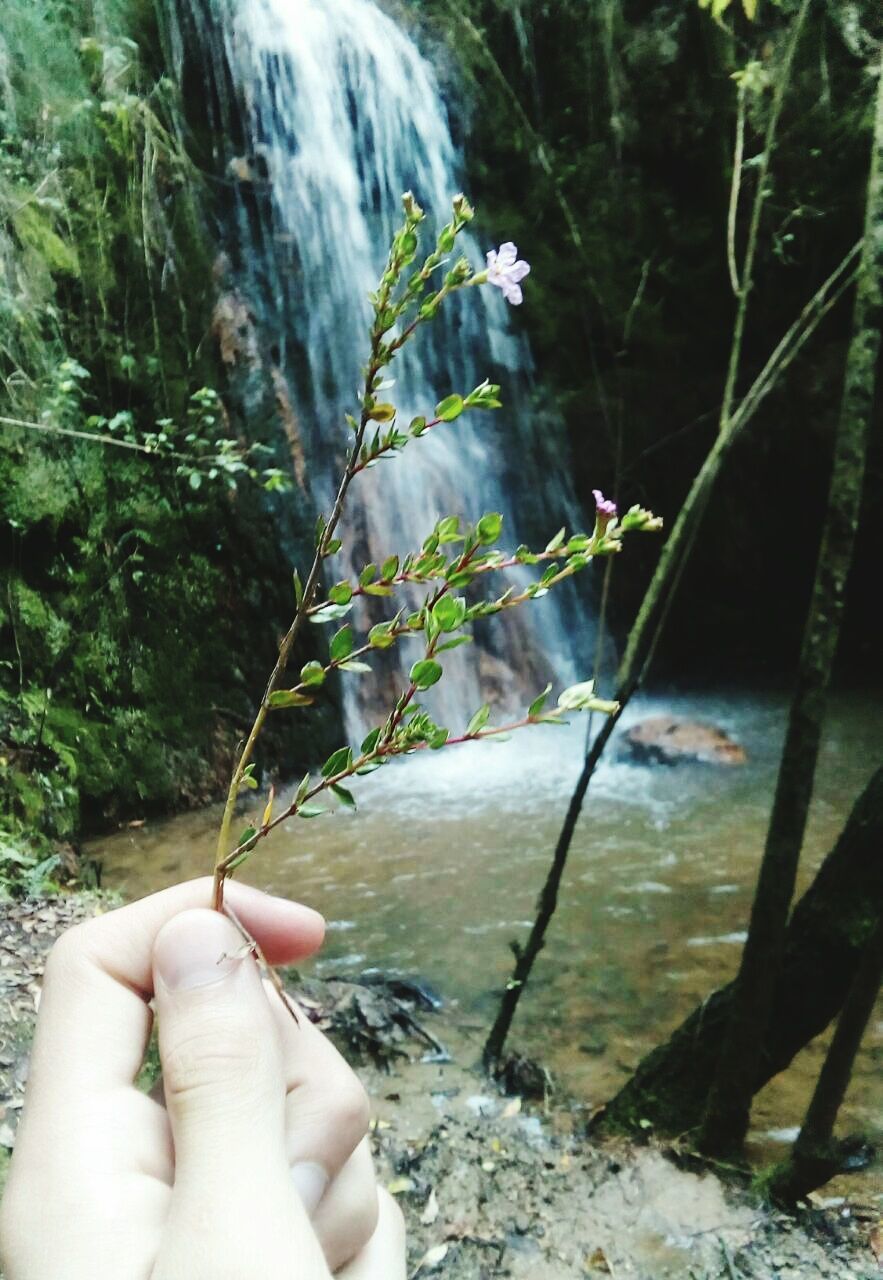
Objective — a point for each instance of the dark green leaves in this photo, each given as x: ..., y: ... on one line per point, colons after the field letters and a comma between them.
x: 426, y: 673
x: 341, y: 644
x: 339, y: 762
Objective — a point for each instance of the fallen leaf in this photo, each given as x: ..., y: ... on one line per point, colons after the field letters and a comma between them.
x: 432, y: 1257
x: 399, y: 1186
x: 597, y: 1261
x: 430, y: 1210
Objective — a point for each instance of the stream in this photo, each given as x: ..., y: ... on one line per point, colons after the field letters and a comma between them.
x: 440, y: 867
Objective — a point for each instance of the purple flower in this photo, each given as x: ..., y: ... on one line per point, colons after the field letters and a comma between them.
x: 603, y: 506
x: 605, y: 512
x: 505, y: 270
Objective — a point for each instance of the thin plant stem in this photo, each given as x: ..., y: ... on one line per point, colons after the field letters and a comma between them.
x: 782, y: 82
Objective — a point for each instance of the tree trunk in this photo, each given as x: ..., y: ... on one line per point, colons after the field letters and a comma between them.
x: 816, y: 1156
x: 824, y: 944
x: 729, y: 1103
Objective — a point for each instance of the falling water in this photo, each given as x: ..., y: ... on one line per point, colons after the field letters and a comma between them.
x: 341, y: 114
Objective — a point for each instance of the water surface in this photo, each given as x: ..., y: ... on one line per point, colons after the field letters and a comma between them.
x: 440, y: 868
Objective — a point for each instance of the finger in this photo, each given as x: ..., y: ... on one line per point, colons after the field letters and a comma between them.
x: 346, y: 1218
x: 383, y: 1258
x: 327, y: 1109
x: 232, y: 1208
x: 94, y: 1013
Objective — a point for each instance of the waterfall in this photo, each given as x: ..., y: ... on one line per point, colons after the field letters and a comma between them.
x: 338, y: 114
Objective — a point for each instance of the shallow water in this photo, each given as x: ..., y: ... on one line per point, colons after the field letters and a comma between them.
x: 440, y: 868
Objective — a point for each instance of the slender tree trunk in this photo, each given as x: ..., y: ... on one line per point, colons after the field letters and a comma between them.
x: 816, y: 1156
x: 646, y: 630
x: 729, y: 1103
x: 824, y: 944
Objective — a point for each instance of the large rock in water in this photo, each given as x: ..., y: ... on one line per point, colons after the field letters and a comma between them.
x: 671, y: 740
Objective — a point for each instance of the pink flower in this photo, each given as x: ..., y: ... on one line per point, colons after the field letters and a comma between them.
x: 605, y: 512
x: 603, y: 506
x: 505, y: 270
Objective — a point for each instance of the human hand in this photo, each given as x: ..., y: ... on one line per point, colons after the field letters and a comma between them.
x: 257, y: 1165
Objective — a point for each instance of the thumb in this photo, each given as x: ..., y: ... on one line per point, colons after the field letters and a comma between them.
x: 233, y: 1209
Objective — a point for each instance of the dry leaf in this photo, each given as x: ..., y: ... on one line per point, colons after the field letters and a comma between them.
x: 430, y: 1210
x: 597, y: 1261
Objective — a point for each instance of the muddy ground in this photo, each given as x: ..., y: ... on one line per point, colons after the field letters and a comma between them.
x: 496, y: 1185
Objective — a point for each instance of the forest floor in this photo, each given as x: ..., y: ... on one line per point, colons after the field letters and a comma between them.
x: 495, y: 1185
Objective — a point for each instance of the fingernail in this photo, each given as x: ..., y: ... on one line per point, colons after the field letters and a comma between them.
x: 195, y: 949
x: 311, y: 1182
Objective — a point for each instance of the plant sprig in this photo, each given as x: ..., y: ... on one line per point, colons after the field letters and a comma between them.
x: 400, y: 305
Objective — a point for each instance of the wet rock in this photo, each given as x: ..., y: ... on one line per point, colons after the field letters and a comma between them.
x: 671, y: 740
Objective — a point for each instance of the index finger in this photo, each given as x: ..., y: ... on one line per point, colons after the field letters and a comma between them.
x: 94, y: 1011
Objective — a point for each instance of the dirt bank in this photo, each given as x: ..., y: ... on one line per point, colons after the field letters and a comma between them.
x: 495, y: 1186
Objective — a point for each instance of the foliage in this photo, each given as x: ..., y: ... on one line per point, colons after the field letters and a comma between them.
x: 602, y: 133
x: 117, y: 692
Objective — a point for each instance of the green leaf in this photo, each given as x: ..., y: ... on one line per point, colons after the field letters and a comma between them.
x: 449, y: 613
x: 479, y: 720
x: 298, y: 589
x: 341, y: 644
x: 334, y: 545
x: 449, y: 408
x: 302, y: 789
x: 426, y: 673
x: 557, y: 541
x: 337, y: 762
x: 367, y: 575
x: 313, y: 673
x: 460, y: 579
x: 280, y: 698
x: 311, y: 811
x: 371, y: 741
x: 249, y: 782
x: 379, y: 637
x: 377, y: 589
x: 448, y: 530
x: 248, y: 834
x: 239, y: 859
x: 489, y: 528
x: 454, y: 644
x: 351, y: 665
x: 539, y: 702
x: 438, y: 739
x: 341, y: 593
x: 346, y: 798
x: 416, y: 427
x: 390, y: 568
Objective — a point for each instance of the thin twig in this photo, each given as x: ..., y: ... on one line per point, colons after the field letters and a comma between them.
x: 262, y: 960
x: 96, y: 438
x: 735, y: 188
